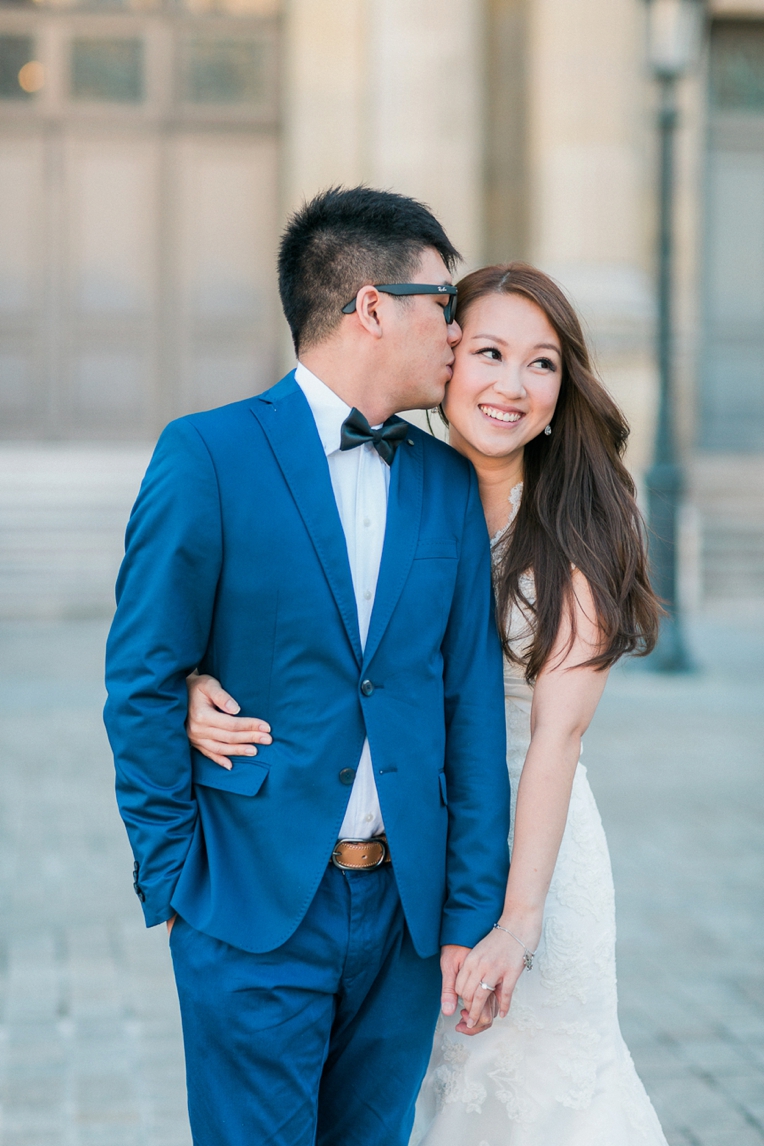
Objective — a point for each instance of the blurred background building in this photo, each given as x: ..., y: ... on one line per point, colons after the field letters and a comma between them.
x: 151, y: 149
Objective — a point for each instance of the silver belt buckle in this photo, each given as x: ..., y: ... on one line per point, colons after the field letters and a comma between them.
x: 372, y: 867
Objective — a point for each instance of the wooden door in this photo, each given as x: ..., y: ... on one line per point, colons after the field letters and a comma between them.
x: 138, y: 197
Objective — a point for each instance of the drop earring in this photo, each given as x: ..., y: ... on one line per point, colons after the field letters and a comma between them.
x: 548, y: 431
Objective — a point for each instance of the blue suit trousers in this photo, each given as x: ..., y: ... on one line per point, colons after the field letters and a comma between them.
x: 324, y: 1040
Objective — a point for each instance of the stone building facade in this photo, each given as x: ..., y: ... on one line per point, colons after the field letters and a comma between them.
x: 151, y: 149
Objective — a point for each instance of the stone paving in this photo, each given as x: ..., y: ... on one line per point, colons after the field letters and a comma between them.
x: 676, y: 766
x: 90, y: 1051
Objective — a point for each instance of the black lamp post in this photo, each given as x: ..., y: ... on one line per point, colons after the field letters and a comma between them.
x: 674, y: 28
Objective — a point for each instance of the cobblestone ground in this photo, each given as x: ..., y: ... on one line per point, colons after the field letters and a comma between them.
x: 90, y: 1051
x: 676, y: 766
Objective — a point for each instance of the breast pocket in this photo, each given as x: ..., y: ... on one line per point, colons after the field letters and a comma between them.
x: 436, y: 547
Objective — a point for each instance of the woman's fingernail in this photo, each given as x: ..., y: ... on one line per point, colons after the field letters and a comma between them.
x: 232, y: 707
x: 228, y: 767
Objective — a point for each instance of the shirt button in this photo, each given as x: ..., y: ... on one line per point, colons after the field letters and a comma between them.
x: 368, y: 817
x: 367, y: 521
x: 367, y: 595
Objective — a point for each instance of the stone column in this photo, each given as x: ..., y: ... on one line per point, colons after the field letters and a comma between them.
x: 324, y: 90
x: 591, y: 193
x: 389, y: 93
x: 426, y: 109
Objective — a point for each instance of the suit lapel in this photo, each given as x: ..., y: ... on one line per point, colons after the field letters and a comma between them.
x: 404, y: 513
x: 284, y: 414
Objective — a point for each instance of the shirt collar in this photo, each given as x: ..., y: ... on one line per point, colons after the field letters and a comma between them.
x: 327, y: 408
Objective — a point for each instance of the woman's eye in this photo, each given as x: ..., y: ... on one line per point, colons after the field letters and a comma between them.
x: 492, y: 351
x: 545, y: 364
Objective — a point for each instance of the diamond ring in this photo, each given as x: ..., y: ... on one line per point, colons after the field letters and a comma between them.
x: 486, y: 987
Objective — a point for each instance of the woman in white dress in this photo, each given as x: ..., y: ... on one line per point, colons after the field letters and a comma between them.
x: 549, y: 1066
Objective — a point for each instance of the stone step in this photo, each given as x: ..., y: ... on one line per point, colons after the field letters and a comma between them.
x: 63, y: 510
x: 728, y: 493
x: 720, y: 541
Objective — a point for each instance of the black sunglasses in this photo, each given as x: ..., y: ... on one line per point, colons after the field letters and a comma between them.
x: 449, y: 310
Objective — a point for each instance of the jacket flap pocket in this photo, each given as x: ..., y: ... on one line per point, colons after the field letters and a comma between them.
x: 436, y: 547
x: 245, y: 778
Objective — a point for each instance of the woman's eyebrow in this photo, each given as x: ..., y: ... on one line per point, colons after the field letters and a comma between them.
x: 492, y: 337
x: 538, y: 346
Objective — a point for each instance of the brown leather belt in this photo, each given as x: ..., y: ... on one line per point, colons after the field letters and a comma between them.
x: 361, y: 855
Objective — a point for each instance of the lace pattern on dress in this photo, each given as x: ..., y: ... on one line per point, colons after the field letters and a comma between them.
x: 514, y: 499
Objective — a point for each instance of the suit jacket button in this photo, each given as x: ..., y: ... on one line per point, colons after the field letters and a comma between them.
x: 367, y: 688
x: 347, y: 776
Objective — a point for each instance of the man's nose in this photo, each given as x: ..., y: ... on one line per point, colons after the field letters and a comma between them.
x: 454, y: 333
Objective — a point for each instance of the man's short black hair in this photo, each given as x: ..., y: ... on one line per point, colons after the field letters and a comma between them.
x: 344, y: 239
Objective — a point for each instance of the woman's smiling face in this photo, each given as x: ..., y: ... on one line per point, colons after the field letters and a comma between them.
x: 506, y: 378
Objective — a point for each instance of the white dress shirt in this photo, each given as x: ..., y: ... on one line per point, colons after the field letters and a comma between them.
x: 360, y: 480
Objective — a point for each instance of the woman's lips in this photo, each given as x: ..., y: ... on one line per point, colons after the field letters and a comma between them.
x: 497, y: 415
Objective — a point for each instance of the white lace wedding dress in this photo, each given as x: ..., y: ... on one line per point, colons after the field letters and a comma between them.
x: 556, y: 1071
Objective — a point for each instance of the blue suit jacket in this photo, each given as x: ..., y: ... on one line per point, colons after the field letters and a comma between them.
x: 236, y: 563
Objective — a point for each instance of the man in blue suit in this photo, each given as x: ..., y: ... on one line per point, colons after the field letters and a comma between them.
x: 330, y: 564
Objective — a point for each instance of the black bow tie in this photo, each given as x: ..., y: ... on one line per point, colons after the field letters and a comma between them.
x: 356, y: 430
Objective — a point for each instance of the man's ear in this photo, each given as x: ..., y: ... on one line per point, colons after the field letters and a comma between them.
x: 367, y: 310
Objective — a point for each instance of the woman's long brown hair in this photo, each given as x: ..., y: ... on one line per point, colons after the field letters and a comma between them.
x: 578, y: 507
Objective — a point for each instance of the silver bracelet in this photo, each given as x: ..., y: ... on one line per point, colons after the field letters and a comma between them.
x: 529, y: 955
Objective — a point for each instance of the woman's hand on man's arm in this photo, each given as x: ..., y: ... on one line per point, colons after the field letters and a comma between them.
x: 214, y: 732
